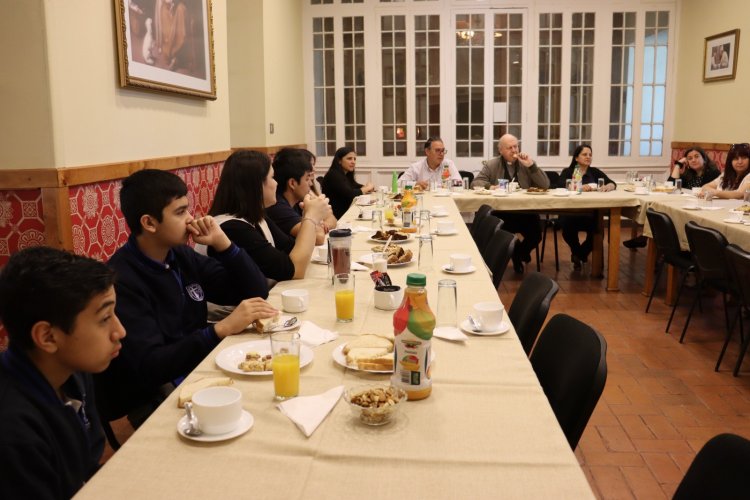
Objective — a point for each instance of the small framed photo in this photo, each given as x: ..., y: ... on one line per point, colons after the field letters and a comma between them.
x: 166, y: 45
x: 720, y: 56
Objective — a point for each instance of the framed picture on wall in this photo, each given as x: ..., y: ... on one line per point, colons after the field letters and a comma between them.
x: 166, y: 45
x: 720, y: 56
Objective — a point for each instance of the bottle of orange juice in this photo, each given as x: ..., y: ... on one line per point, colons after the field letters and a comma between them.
x: 408, y: 202
x: 413, y: 324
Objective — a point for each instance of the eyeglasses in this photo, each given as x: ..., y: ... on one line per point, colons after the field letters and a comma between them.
x: 441, y: 151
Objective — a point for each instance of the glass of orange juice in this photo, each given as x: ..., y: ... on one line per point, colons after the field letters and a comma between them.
x: 343, y: 287
x: 285, y: 364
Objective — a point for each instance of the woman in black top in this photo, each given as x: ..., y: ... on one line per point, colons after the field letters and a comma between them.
x: 339, y: 183
x: 572, y: 224
x: 695, y: 168
x: 245, y: 189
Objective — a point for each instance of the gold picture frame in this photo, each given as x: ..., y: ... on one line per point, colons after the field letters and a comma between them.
x: 166, y: 46
x: 720, y: 56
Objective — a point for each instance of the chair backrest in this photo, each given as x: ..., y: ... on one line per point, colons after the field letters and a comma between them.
x: 486, y: 229
x: 738, y: 267
x: 530, y: 307
x: 480, y: 214
x: 497, y: 253
x: 664, y: 233
x: 707, y: 248
x: 466, y: 173
x: 554, y: 179
x: 718, y: 470
x: 570, y: 360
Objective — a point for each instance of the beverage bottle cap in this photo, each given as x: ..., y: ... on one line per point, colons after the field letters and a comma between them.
x: 416, y: 279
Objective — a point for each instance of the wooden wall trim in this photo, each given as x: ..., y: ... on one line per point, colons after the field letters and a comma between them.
x: 712, y: 146
x: 58, y: 228
x: 55, y: 177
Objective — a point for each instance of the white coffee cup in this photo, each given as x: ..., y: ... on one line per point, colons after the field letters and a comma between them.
x: 218, y: 409
x: 512, y: 187
x: 388, y: 298
x: 641, y: 190
x: 295, y: 301
x: 460, y: 261
x: 446, y: 227
x: 668, y: 184
x: 364, y: 199
x: 367, y: 214
x: 320, y: 253
x: 438, y: 209
x: 489, y: 314
x: 561, y: 191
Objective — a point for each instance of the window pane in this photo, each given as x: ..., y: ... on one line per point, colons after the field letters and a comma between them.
x: 426, y: 77
x: 354, y: 84
x: 323, y: 85
x: 654, y: 83
x: 508, y: 65
x: 581, y: 79
x: 393, y: 55
x: 470, y: 42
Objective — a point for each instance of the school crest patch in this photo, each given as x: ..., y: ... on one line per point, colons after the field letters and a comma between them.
x: 195, y: 292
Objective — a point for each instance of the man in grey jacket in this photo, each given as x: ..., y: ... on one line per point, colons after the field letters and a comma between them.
x: 517, y: 166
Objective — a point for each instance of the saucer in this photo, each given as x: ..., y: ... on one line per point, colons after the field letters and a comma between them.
x: 246, y: 423
x: 444, y: 234
x: 561, y: 194
x: 733, y: 221
x: 439, y: 214
x: 468, y: 270
x: 691, y: 207
x: 504, y: 328
x: 442, y: 195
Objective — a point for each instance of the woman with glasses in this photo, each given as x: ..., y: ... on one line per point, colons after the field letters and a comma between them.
x: 734, y: 181
x: 695, y: 168
x: 572, y: 224
x: 339, y: 183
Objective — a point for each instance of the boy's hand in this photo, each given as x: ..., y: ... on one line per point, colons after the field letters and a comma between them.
x: 206, y: 231
x: 243, y: 315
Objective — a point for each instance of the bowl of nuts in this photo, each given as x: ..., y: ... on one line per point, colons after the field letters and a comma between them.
x: 375, y: 404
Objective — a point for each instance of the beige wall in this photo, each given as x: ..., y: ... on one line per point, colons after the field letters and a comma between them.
x: 25, y: 108
x: 711, y: 112
x: 93, y: 120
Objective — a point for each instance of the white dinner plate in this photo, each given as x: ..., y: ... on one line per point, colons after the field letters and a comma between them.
x: 691, y: 207
x: 733, y: 221
x: 230, y: 358
x: 369, y: 203
x: 359, y: 217
x: 439, y: 214
x: 451, y: 233
x: 504, y: 328
x: 366, y: 259
x: 561, y: 194
x: 284, y: 318
x: 397, y: 242
x: 340, y: 358
x: 468, y: 270
x: 444, y: 194
x: 246, y: 423
x: 500, y: 194
x: 537, y: 192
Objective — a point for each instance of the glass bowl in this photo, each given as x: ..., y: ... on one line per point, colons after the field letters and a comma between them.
x: 375, y: 404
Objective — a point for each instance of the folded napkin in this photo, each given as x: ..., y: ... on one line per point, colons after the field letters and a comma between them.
x: 362, y: 229
x: 449, y: 333
x: 312, y: 335
x: 356, y: 266
x: 307, y: 412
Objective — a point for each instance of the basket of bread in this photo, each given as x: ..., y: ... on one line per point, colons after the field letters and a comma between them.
x: 375, y: 404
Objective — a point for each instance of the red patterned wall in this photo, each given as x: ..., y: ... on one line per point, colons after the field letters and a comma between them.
x: 21, y: 223
x: 719, y: 157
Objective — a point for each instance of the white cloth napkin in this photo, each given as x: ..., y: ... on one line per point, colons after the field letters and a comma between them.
x: 362, y: 229
x: 307, y: 412
x: 356, y: 266
x: 312, y: 335
x: 449, y: 333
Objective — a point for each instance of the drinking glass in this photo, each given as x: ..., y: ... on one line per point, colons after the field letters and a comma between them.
x: 343, y: 286
x: 600, y: 185
x: 569, y: 184
x: 447, y: 304
x: 377, y: 219
x: 424, y: 222
x: 424, y: 263
x: 746, y: 196
x: 285, y: 356
x: 678, y: 186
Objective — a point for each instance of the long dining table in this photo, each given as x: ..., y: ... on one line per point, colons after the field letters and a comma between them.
x: 487, y: 430
x: 611, y: 203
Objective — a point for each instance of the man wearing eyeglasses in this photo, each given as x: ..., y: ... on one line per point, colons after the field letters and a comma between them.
x: 429, y: 169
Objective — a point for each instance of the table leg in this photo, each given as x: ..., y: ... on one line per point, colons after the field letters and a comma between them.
x: 671, y: 292
x: 597, y: 253
x: 613, y: 259
x: 648, y: 282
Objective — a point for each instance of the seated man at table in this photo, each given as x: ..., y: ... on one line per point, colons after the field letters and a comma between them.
x: 291, y: 171
x: 58, y: 310
x: 517, y: 166
x: 430, y: 168
x: 163, y: 286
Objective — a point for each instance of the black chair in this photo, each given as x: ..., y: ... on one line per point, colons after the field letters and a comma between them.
x: 480, y: 214
x: 530, y: 307
x: 570, y: 361
x: 668, y: 247
x: 486, y: 229
x: 466, y: 173
x: 738, y: 265
x: 497, y: 253
x: 718, y: 470
x: 550, y: 222
x: 707, y: 247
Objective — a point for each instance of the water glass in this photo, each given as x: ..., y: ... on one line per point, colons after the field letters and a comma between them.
x: 447, y: 304
x: 343, y: 286
x: 746, y: 196
x: 600, y: 185
x: 569, y: 184
x: 465, y: 180
x: 424, y: 264
x: 424, y: 222
x: 678, y: 186
x: 377, y: 219
x: 708, y: 199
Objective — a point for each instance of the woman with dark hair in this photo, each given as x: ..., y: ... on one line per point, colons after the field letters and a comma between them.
x: 734, y: 181
x: 572, y: 224
x: 695, y: 168
x: 339, y: 183
x: 245, y: 189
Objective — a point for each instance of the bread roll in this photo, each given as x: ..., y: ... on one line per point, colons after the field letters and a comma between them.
x: 266, y: 324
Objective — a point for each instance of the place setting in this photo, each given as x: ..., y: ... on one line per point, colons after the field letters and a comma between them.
x: 460, y: 263
x: 438, y: 211
x: 486, y: 319
x: 445, y: 228
x: 215, y: 414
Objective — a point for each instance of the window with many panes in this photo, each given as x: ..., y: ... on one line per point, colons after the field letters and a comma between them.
x: 653, y: 104
x: 507, y: 39
x: 469, y: 68
x: 393, y: 53
x: 324, y: 86
x: 426, y: 79
x: 622, y: 84
x: 354, y: 83
x: 581, y: 79
x: 550, y: 84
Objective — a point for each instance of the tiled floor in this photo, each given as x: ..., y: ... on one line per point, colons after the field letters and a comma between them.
x: 662, y: 400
